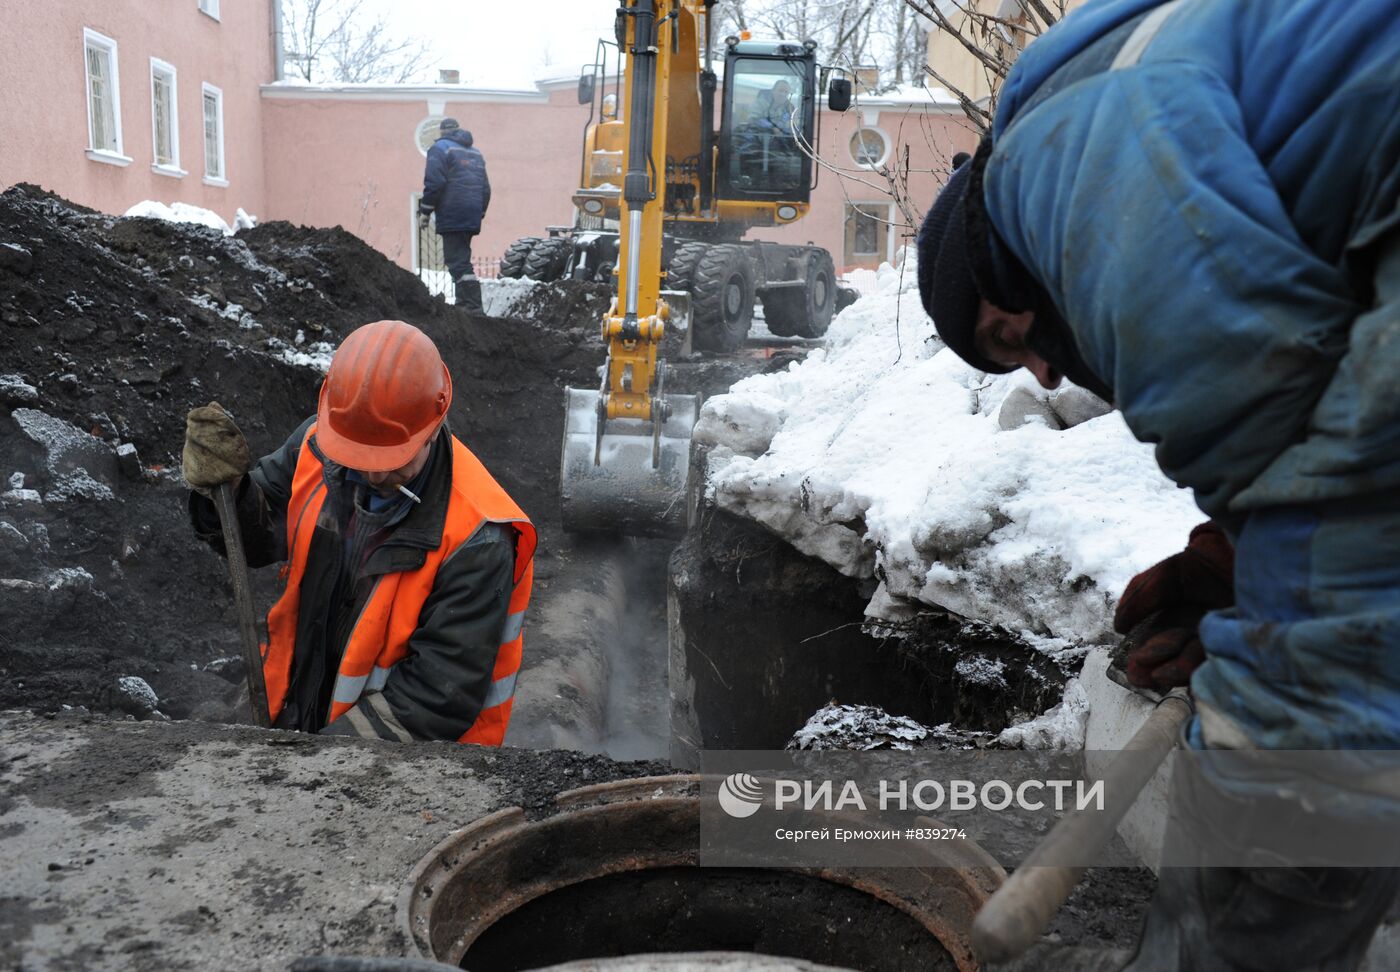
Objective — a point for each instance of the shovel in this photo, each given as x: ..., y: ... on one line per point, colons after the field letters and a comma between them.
x: 1015, y: 917
x: 243, y: 600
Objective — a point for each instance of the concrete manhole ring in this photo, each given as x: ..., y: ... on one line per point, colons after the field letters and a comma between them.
x: 506, y: 864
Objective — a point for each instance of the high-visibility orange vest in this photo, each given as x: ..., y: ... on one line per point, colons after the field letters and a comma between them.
x: 379, y: 639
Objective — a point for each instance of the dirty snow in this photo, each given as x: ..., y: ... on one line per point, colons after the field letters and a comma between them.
x: 499, y: 295
x: 866, y: 727
x: 1061, y: 728
x: 316, y: 355
x: 15, y: 390
x: 881, y: 453
x: 184, y: 213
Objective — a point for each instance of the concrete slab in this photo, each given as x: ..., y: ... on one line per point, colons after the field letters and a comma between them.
x: 187, y: 845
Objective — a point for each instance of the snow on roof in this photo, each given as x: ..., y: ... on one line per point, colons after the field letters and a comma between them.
x: 909, y: 95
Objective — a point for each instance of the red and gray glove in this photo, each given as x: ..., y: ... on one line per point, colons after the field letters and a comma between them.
x: 1179, y: 591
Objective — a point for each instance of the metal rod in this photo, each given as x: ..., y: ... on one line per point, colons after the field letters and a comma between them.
x: 243, y: 601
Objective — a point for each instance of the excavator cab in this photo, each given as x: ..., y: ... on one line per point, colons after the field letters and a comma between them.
x: 766, y: 122
x: 681, y: 196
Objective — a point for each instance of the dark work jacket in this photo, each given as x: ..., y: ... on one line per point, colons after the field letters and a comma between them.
x: 455, y: 186
x: 438, y: 691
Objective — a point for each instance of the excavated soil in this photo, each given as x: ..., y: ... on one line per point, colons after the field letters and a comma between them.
x: 117, y: 327
x: 111, y: 329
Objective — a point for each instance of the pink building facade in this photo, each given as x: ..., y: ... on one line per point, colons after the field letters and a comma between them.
x: 369, y: 144
x: 110, y: 102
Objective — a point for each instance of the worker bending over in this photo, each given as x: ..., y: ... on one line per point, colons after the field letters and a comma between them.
x: 408, y: 568
x: 1190, y: 208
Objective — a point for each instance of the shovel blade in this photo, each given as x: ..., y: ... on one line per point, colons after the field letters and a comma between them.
x: 624, y: 491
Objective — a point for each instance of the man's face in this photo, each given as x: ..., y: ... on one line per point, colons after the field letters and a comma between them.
x: 780, y: 93
x: 1000, y: 336
x: 387, y: 483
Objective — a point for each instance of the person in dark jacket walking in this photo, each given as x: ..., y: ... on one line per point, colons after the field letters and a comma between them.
x: 456, y: 193
x: 1190, y: 208
x: 408, y: 568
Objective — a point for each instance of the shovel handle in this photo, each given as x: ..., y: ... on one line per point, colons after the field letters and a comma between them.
x: 226, y: 502
x: 1015, y: 917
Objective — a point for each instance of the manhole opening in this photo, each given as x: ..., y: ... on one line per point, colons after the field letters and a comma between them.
x: 693, y: 909
x: 614, y: 872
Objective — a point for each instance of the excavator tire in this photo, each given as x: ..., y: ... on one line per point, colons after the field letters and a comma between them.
x: 680, y: 275
x: 721, y: 298
x: 548, y: 258
x: 806, y: 311
x: 513, y: 262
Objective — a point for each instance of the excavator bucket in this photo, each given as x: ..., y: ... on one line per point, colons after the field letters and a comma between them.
x: 678, y: 303
x: 632, y: 478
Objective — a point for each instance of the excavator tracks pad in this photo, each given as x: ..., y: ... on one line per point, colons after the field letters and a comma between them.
x: 625, y: 491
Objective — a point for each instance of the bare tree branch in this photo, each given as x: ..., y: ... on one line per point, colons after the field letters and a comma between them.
x: 335, y: 41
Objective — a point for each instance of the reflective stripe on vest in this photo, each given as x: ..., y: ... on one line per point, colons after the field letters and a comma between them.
x: 380, y: 637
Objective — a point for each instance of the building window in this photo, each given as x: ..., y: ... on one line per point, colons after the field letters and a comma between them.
x: 214, y: 172
x: 165, y: 120
x: 103, y: 99
x: 867, y: 233
x: 210, y: 7
x: 870, y: 147
x: 427, y: 132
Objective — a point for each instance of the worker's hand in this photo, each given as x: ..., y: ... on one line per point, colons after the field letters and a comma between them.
x: 1162, y: 608
x: 215, y: 450
x: 423, y: 220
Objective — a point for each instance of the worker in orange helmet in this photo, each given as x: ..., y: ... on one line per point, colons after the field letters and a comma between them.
x: 408, y: 568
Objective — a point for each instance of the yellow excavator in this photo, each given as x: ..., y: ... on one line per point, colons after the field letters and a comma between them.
x: 685, y: 200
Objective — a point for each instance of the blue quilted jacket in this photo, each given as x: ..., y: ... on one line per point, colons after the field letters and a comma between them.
x: 455, y: 186
x: 1203, y: 221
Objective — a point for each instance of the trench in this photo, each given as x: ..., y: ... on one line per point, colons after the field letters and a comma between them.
x: 637, y: 649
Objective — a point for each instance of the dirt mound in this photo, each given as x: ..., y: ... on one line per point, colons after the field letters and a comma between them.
x: 110, y: 330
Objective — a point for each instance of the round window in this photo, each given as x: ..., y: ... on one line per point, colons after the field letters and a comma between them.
x: 870, y: 147
x: 427, y: 132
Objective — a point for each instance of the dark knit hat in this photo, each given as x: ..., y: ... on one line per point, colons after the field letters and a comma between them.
x: 448, y: 125
x: 946, y: 282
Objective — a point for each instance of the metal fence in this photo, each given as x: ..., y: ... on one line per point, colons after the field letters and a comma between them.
x: 432, y: 267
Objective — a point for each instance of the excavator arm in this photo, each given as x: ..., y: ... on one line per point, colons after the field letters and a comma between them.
x: 626, y: 446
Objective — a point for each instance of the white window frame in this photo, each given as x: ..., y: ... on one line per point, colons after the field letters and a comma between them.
x: 173, y: 168
x: 886, y: 146
x: 210, y: 8
x: 92, y: 39
x: 221, y: 179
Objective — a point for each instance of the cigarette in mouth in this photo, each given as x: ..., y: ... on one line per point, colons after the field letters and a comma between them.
x: 405, y: 491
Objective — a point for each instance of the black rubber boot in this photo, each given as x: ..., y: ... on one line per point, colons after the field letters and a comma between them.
x: 469, y: 293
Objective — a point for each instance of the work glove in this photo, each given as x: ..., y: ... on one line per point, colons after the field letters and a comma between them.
x: 215, y: 450
x: 1163, y: 606
x: 423, y: 220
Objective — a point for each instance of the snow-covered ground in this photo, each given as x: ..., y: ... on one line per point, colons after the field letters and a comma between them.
x: 883, y: 455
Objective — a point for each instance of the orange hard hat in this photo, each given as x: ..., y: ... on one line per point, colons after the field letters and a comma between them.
x: 385, y: 395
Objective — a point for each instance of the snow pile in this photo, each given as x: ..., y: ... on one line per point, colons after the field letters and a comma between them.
x: 881, y: 454
x: 500, y: 297
x: 185, y: 213
x: 1061, y: 729
x: 862, y: 281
